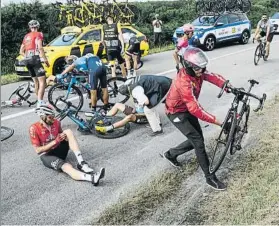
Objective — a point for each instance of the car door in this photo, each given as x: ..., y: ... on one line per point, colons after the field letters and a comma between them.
x: 221, y: 28
x: 92, y: 37
x: 235, y: 27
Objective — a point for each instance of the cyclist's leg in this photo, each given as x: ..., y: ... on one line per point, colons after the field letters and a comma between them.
x: 41, y: 75
x: 111, y: 60
x: 117, y: 107
x: 34, y: 78
x: 268, y: 41
x: 128, y: 62
x: 102, y: 76
x: 121, y: 62
x: 135, y: 60
x: 93, y: 81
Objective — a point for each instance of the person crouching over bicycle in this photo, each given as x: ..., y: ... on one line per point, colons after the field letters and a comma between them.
x: 147, y: 92
x: 183, y: 43
x: 265, y: 29
x: 184, y: 110
x: 96, y: 70
x: 52, y: 144
x: 132, y: 52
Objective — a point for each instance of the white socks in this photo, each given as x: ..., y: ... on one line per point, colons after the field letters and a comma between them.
x: 86, y: 177
x: 109, y: 128
x: 79, y: 156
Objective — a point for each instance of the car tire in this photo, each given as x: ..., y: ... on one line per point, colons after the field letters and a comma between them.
x: 244, y: 37
x: 58, y: 66
x: 209, y: 43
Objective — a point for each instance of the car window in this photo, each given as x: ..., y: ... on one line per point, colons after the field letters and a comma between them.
x: 127, y: 30
x: 127, y: 33
x: 92, y: 36
x: 243, y: 17
x: 204, y: 21
x: 233, y: 18
x: 223, y: 19
x: 64, y: 40
x: 275, y: 16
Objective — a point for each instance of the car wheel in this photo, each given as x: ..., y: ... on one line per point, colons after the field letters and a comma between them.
x: 244, y: 37
x: 58, y: 66
x: 209, y: 43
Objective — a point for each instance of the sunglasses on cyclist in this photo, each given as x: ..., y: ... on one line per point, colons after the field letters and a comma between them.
x: 197, y: 68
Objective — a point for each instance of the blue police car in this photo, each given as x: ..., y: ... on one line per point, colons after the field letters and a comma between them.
x: 211, y: 30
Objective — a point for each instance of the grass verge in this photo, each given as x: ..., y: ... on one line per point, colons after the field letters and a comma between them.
x: 132, y: 209
x: 253, y: 193
x: 9, y: 78
x: 161, y: 49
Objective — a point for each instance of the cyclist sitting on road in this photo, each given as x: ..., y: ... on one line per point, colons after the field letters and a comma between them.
x: 92, y: 65
x: 147, y: 92
x: 32, y: 49
x: 265, y: 29
x: 184, y: 110
x: 133, y: 52
x: 52, y: 145
x: 183, y: 43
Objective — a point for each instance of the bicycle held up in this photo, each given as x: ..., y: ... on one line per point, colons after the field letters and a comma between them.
x: 235, y: 125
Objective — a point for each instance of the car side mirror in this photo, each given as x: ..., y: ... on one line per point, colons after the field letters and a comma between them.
x: 219, y: 24
x: 81, y: 42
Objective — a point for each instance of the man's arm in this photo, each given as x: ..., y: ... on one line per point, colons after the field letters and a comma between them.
x: 41, y: 50
x: 45, y: 148
x: 68, y: 69
x: 193, y: 105
x: 120, y: 36
x: 22, y: 50
x: 214, y: 79
x: 257, y: 30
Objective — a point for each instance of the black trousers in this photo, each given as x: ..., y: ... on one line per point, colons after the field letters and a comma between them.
x: 157, y: 38
x: 190, y: 127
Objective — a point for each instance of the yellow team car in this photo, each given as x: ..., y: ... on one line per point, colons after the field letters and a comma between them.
x: 79, y: 41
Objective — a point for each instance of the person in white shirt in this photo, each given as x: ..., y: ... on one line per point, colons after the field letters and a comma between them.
x: 157, y: 25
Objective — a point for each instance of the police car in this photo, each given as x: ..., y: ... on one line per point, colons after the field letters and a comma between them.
x: 275, y: 22
x: 228, y: 27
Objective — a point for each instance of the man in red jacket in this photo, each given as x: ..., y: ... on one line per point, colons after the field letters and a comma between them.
x: 184, y: 110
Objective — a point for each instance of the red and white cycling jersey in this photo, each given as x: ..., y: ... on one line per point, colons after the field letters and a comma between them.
x: 41, y: 135
x: 30, y: 43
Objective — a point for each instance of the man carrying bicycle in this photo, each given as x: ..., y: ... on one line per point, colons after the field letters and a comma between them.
x: 52, y: 144
x: 96, y: 70
x: 133, y: 52
x: 112, y: 38
x: 183, y: 43
x: 184, y: 110
x: 265, y: 29
x: 32, y: 51
x: 147, y: 92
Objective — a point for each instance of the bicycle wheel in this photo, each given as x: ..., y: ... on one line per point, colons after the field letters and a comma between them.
x: 241, y: 130
x: 257, y: 55
x: 223, y: 143
x: 6, y: 133
x: 61, y: 98
x: 116, y: 133
x: 22, y: 89
x: 114, y: 96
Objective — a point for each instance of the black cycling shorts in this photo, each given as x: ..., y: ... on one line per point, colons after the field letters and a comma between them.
x: 35, y: 66
x: 133, y: 49
x: 99, y: 74
x: 55, y: 158
x: 269, y: 37
x: 113, y: 55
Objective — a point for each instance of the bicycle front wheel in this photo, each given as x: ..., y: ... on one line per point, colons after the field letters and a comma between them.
x: 6, y: 133
x: 21, y: 90
x: 223, y: 143
x: 257, y: 55
x: 62, y: 98
x: 114, y: 96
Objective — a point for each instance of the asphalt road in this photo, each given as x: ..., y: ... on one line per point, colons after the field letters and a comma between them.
x: 33, y: 194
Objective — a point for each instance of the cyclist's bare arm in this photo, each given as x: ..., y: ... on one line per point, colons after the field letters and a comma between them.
x: 175, y: 55
x: 267, y: 30
x: 22, y: 50
x: 42, y: 52
x: 45, y: 148
x: 257, y: 31
x: 120, y: 36
x: 68, y: 69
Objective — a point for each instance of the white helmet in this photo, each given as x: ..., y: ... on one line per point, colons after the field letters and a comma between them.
x: 44, y: 110
x: 34, y: 23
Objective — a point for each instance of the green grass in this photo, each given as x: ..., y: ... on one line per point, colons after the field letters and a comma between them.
x: 9, y: 78
x: 163, y: 48
x: 132, y: 209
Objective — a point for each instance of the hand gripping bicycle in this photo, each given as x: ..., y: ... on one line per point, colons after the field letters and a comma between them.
x: 235, y: 125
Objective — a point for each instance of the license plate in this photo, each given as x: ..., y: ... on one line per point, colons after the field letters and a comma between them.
x: 20, y: 69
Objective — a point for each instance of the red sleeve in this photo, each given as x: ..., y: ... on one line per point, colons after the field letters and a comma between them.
x: 34, y: 138
x: 192, y: 103
x: 183, y: 43
x: 213, y: 78
x: 40, y: 36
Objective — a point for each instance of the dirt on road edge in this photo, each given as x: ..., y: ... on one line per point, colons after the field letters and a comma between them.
x: 182, y: 197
